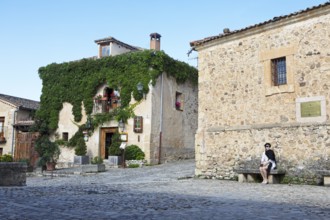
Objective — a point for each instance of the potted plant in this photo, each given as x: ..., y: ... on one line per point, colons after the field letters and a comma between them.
x: 81, y: 151
x: 48, y: 151
x: 98, y: 99
x: 177, y: 105
x: 98, y: 163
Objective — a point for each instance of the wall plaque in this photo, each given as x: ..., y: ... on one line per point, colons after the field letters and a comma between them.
x: 310, y: 109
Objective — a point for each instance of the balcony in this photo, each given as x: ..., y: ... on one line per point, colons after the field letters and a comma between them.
x: 105, y: 104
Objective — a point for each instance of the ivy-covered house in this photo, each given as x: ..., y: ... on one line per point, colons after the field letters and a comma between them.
x: 143, y: 94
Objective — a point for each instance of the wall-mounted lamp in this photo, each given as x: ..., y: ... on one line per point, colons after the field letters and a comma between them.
x: 121, y: 125
x: 139, y: 87
x: 88, y: 126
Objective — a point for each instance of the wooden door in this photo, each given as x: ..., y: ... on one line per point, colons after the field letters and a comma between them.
x: 24, y: 147
x: 105, y: 140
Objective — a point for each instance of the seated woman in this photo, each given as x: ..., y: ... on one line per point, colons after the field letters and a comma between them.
x: 268, y: 162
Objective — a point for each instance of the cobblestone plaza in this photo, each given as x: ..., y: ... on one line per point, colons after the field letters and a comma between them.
x: 166, y: 191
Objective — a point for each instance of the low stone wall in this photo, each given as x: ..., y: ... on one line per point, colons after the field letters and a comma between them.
x: 92, y: 168
x: 13, y: 174
x: 300, y: 150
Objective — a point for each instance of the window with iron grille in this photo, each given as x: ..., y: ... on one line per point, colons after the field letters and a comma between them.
x: 279, y: 71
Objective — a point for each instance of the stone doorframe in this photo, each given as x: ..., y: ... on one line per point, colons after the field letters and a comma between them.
x: 103, y: 133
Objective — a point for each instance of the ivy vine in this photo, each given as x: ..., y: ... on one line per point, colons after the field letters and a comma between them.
x: 77, y: 82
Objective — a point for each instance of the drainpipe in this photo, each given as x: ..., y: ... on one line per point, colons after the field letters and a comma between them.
x: 161, y: 121
x: 13, y: 133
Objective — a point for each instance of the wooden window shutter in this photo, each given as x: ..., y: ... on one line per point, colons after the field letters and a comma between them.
x: 138, y: 124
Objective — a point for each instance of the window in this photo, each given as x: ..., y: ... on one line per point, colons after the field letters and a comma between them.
x: 138, y: 124
x: 278, y: 71
x: 179, y: 101
x: 2, y: 126
x: 65, y: 136
x: 1, y: 151
x: 105, y: 51
x: 278, y: 66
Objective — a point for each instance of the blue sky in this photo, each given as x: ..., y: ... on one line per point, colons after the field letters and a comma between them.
x: 35, y: 33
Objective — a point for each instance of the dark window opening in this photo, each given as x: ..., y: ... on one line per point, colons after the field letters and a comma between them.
x: 65, y: 136
x: 108, y: 142
x: 179, y: 101
x: 110, y: 100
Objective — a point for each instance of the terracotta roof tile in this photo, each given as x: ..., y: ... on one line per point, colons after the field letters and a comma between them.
x: 275, y: 19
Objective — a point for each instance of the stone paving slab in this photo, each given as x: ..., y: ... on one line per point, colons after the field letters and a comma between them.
x: 164, y: 191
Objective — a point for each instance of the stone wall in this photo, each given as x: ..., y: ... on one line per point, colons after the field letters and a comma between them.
x: 300, y: 150
x: 13, y: 174
x: 240, y: 109
x: 177, y: 126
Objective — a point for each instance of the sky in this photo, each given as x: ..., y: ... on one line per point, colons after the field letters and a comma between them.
x: 35, y: 33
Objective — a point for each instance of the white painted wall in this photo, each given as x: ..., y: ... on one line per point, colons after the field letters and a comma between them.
x: 67, y: 124
x: 116, y: 49
x: 178, y: 127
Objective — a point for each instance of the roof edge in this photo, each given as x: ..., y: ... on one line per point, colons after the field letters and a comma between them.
x: 276, y: 21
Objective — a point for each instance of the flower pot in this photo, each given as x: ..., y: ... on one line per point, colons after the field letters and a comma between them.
x: 50, y: 166
x: 114, y: 160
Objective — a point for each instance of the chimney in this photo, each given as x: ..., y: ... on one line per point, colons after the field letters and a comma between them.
x: 155, y: 41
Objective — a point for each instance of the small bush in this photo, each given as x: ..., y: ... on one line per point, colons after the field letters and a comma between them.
x: 97, y: 160
x: 133, y: 152
x: 81, y: 148
x: 6, y: 158
x: 133, y: 166
x: 48, y: 151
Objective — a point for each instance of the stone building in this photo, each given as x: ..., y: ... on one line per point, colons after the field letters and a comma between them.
x: 269, y: 82
x: 16, y: 117
x: 165, y: 123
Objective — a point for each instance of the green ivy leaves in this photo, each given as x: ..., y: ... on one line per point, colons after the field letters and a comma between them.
x: 76, y: 82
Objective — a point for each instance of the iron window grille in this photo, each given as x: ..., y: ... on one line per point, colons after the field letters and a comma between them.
x: 279, y: 71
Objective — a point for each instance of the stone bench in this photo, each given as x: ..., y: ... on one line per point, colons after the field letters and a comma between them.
x: 326, y: 176
x: 253, y: 175
x: 13, y: 174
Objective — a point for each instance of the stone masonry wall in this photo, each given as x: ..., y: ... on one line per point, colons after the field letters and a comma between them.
x: 300, y: 150
x: 239, y: 109
x: 12, y: 174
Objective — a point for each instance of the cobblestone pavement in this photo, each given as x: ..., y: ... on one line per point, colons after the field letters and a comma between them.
x: 159, y: 192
